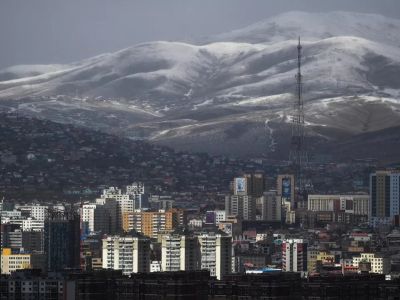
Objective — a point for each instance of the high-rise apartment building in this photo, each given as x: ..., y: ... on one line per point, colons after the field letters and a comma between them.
x: 62, y: 240
x: 285, y: 186
x: 137, y: 192
x: 271, y: 207
x: 135, y: 188
x: 87, y: 215
x: 352, y: 204
x: 294, y: 255
x: 130, y: 254
x: 125, y: 202
x: 385, y: 197
x: 39, y: 212
x: 180, y: 253
x: 31, y: 224
x: 246, y: 190
x: 216, y: 253
x: 171, y: 253
x: 243, y: 206
x: 249, y: 184
x: 101, y: 216
x: 256, y: 184
x: 151, y: 223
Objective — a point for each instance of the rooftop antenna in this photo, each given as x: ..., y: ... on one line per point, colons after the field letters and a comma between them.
x: 298, y: 153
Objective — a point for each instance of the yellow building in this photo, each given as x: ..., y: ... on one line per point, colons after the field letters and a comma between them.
x: 150, y: 223
x: 11, y: 262
x: 312, y: 260
x: 325, y: 258
x: 315, y: 256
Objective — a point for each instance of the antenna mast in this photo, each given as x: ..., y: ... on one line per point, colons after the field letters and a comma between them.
x: 298, y: 153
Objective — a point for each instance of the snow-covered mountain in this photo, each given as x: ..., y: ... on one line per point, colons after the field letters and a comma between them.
x: 234, y: 94
x: 316, y: 26
x: 20, y: 71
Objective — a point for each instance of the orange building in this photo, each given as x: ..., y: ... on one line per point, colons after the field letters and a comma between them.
x: 150, y: 223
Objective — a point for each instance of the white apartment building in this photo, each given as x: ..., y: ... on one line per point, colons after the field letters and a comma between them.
x: 24, y: 209
x: 8, y: 220
x: 87, y: 215
x: 171, y: 253
x: 12, y: 214
x: 137, y: 192
x: 127, y: 253
x: 39, y: 212
x: 294, y: 255
x: 180, y: 253
x: 136, y: 188
x: 379, y: 264
x: 216, y: 253
x: 243, y: 206
x: 353, y: 204
x: 125, y: 203
x: 220, y: 216
x: 31, y: 224
x: 101, y: 216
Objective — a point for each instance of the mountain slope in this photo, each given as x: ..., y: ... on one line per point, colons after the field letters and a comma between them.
x: 316, y: 26
x: 236, y: 91
x: 165, y: 72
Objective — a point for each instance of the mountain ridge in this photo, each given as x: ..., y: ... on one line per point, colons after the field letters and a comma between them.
x: 192, y: 96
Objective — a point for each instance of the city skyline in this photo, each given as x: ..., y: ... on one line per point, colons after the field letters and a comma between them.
x: 218, y: 149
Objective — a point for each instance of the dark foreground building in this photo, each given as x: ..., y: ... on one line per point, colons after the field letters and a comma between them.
x: 62, y: 241
x: 195, y: 285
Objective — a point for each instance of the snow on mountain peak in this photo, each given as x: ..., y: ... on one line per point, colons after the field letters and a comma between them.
x: 313, y: 26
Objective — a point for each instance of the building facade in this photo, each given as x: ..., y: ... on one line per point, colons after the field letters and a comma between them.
x: 216, y: 253
x: 62, y: 241
x: 271, y: 207
x: 385, y: 197
x: 294, y: 255
x: 180, y: 253
x: 243, y: 206
x: 285, y: 187
x: 151, y: 223
x: 379, y: 263
x: 352, y: 204
x: 130, y: 254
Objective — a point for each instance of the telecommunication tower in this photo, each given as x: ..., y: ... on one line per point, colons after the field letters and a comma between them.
x: 298, y: 153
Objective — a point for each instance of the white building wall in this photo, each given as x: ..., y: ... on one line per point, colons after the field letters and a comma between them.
x: 220, y: 215
x: 380, y: 265
x: 39, y: 212
x: 88, y: 215
x: 31, y: 224
x: 171, y: 253
x: 129, y: 254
